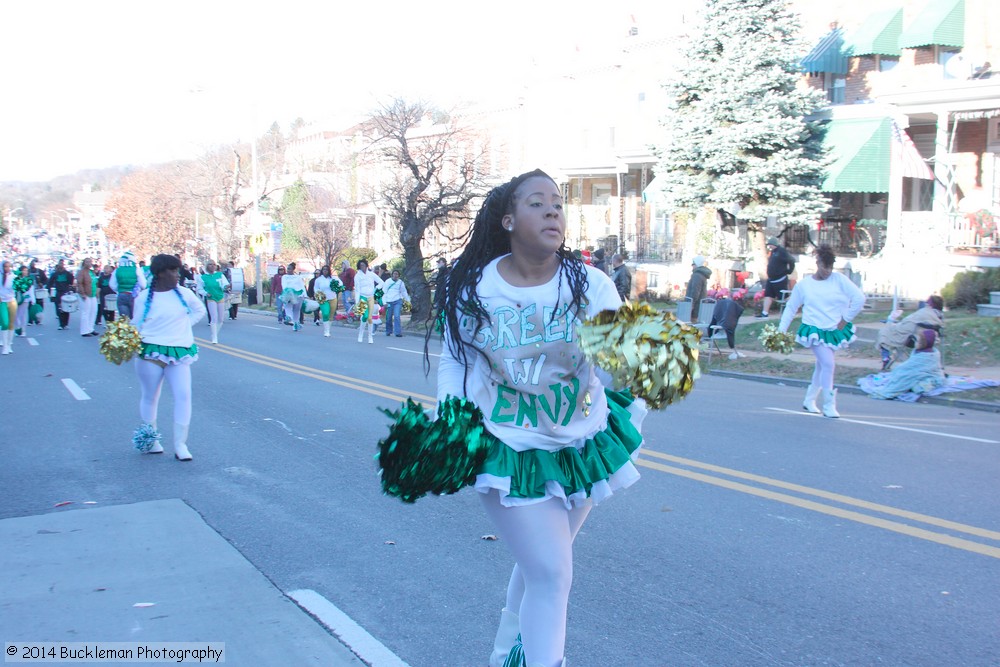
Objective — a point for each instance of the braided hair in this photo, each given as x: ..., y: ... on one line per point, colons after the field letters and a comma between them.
x: 158, y: 264
x: 488, y: 241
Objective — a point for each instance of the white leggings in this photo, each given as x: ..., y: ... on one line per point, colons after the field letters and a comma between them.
x: 216, y: 310
x: 825, y: 365
x: 151, y: 381
x: 292, y: 312
x: 21, y: 321
x: 88, y: 314
x: 540, y: 537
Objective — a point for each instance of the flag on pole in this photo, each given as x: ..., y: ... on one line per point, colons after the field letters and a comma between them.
x: 905, y: 152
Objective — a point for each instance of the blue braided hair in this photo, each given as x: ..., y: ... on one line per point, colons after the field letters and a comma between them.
x: 158, y: 264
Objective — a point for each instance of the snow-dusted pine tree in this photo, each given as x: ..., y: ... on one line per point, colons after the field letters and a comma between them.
x: 736, y: 131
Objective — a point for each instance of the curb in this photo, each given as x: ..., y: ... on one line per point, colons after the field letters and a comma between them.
x: 846, y: 388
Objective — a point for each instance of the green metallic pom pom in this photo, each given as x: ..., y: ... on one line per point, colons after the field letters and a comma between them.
x: 421, y: 456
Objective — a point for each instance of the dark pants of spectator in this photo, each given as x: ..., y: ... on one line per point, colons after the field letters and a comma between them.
x: 63, y: 317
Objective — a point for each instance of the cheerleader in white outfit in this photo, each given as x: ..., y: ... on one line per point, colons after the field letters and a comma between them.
x: 24, y: 294
x: 8, y: 308
x: 213, y: 286
x: 330, y: 286
x: 365, y: 283
x: 166, y: 315
x: 293, y: 291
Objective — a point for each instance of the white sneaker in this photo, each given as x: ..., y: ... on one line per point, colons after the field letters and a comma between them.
x: 734, y: 356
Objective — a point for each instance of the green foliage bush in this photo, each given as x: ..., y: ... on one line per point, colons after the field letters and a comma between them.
x: 970, y: 288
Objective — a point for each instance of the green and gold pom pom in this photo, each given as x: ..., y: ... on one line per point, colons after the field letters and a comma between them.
x: 776, y: 341
x: 441, y: 457
x: 320, y: 296
x: 120, y: 341
x: 650, y: 352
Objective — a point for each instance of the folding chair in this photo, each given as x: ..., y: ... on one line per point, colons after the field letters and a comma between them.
x: 683, y: 312
x: 705, y: 308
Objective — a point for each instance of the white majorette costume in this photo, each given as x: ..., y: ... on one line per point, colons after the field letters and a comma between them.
x: 293, y: 291
x: 365, y: 284
x: 127, y: 281
x: 24, y: 294
x: 330, y: 286
x: 168, y: 350
x: 824, y: 304
x: 8, y: 312
x: 213, y: 287
x: 561, y: 433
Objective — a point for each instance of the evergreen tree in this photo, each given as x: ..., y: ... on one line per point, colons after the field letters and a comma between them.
x: 736, y: 132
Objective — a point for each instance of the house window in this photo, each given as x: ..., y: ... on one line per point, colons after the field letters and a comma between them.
x: 600, y: 194
x: 652, y: 280
x: 993, y: 135
x: 834, y: 85
x: 886, y: 63
x: 944, y: 56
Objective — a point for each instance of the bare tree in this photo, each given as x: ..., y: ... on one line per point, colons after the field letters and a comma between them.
x: 315, y: 222
x: 431, y: 181
x: 151, y: 211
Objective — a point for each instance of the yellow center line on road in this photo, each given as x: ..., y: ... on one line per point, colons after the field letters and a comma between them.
x: 358, y: 384
x: 836, y: 497
x: 920, y: 533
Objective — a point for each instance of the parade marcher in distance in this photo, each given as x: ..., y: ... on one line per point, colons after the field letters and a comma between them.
x: 366, y: 282
x: 167, y: 312
x: 86, y: 283
x: 8, y: 307
x: 829, y: 302
x: 127, y: 280
x: 346, y: 276
x: 547, y: 471
x: 293, y: 292
x: 212, y: 285
x: 62, y: 281
x: 328, y: 309
x: 103, y: 292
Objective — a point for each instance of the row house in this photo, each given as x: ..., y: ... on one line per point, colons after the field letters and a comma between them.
x: 912, y: 128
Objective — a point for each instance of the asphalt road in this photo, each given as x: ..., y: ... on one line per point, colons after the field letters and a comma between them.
x: 758, y: 535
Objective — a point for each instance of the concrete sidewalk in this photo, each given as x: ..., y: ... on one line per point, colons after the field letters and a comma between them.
x: 77, y: 576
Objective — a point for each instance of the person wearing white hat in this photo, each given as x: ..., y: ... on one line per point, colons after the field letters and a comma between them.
x: 697, y: 284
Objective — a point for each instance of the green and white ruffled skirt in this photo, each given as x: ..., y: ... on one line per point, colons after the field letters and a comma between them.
x: 809, y: 335
x: 594, y: 469
x: 169, y: 354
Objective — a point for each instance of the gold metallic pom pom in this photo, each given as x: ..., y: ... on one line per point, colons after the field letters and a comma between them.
x: 120, y: 341
x: 776, y: 341
x: 650, y: 352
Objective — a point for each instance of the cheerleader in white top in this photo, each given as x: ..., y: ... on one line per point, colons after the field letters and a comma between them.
x: 8, y: 308
x: 212, y: 285
x: 365, y: 284
x: 829, y: 302
x: 24, y: 294
x: 330, y: 286
x: 293, y: 291
x: 167, y: 312
x: 563, y: 441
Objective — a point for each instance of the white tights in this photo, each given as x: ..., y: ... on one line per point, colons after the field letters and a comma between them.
x: 217, y: 312
x: 825, y: 365
x: 540, y: 537
x: 151, y: 381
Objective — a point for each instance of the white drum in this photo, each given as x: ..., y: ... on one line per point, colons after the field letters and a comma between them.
x: 110, y: 302
x: 41, y: 293
x: 52, y: 292
x: 70, y: 303
x: 234, y: 298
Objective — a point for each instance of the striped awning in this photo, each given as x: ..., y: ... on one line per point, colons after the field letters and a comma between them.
x: 862, y: 150
x: 942, y: 23
x: 878, y: 35
x: 828, y: 55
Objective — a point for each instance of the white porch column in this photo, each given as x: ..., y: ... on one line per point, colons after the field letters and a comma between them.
x: 942, y: 158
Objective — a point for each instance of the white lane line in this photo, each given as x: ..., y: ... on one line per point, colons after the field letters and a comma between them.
x: 264, y: 326
x: 356, y: 638
x: 74, y: 389
x: 898, y: 428
x: 403, y: 349
x: 32, y: 341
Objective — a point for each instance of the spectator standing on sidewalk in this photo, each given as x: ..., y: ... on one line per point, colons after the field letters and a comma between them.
x: 621, y: 277
x: 697, y: 284
x: 86, y: 283
x: 829, y: 302
x: 780, y: 265
x: 395, y: 295
x: 276, y: 293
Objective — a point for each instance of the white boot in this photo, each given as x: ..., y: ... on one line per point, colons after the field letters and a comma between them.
x: 506, y: 636
x: 809, y: 404
x: 181, y: 452
x: 370, y: 339
x: 361, y: 332
x: 6, y: 339
x: 157, y: 448
x: 215, y: 333
x: 326, y: 329
x: 830, y: 403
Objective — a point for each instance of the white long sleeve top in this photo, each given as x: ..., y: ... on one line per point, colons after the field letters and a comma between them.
x: 325, y: 284
x: 168, y: 321
x: 395, y: 290
x: 824, y: 302
x: 7, y: 288
x: 365, y: 284
x: 534, y: 386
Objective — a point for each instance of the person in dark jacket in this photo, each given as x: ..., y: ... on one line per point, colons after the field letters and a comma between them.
x: 38, y: 275
x: 62, y: 280
x: 726, y: 314
x: 621, y: 276
x: 103, y: 291
x: 779, y: 266
x: 697, y: 284
x: 599, y: 262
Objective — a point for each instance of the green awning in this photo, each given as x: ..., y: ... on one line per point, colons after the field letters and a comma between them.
x: 828, y: 55
x: 942, y: 23
x: 878, y: 35
x: 859, y: 148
